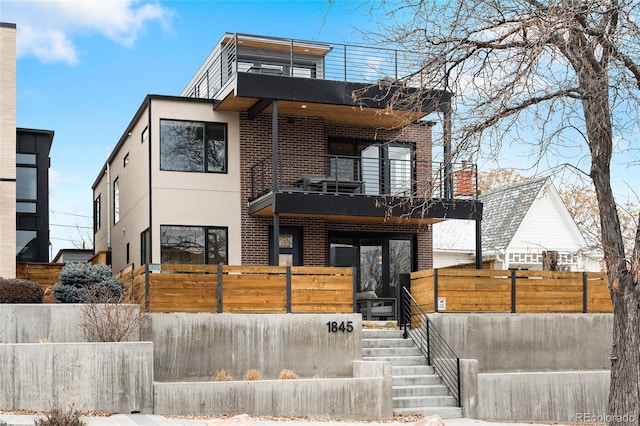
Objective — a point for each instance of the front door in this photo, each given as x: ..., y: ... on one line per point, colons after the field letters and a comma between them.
x: 378, y: 260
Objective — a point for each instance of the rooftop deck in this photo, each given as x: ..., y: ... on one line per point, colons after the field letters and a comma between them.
x: 242, y: 53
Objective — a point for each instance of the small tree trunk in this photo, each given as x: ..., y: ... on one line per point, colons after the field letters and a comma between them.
x: 624, y: 392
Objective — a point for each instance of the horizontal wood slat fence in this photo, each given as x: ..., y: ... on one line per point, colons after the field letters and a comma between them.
x: 511, y: 291
x: 241, y: 289
x: 45, y: 274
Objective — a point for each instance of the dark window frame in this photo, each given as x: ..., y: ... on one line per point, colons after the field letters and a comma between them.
x: 206, y: 245
x: 206, y: 167
x: 116, y: 200
x: 383, y: 156
x: 97, y: 213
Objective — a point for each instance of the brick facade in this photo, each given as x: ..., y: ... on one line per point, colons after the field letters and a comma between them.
x: 309, y: 136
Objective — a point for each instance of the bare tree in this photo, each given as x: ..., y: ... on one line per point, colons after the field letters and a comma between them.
x: 560, y: 73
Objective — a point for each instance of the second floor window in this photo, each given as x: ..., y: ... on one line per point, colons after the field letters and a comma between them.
x: 193, y: 146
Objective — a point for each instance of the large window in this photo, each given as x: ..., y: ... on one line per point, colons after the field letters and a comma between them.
x: 385, y: 169
x: 26, y: 246
x: 193, y: 244
x: 26, y: 188
x: 192, y: 146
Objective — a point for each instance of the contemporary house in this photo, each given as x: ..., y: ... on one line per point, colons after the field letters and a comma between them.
x: 286, y: 152
x: 524, y: 226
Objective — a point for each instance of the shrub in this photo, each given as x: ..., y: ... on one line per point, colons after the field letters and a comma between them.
x: 104, y: 319
x: 253, y: 374
x: 57, y: 417
x: 20, y: 291
x: 287, y: 375
x: 85, y: 283
x: 223, y: 376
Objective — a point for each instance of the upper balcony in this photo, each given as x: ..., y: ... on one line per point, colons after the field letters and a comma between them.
x: 366, y: 188
x: 344, y: 84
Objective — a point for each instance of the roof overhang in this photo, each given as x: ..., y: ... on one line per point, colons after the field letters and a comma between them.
x: 381, y: 105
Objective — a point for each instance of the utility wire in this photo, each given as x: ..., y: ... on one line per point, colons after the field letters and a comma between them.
x: 71, y: 226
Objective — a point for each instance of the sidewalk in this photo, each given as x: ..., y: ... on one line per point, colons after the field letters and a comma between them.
x: 154, y: 420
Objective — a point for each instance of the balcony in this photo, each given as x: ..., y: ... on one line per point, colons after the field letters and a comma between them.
x: 247, y: 72
x: 363, y: 189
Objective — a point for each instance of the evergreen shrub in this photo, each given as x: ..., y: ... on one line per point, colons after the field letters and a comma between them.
x: 82, y: 282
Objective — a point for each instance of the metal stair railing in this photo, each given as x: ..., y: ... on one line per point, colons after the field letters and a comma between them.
x: 439, y: 354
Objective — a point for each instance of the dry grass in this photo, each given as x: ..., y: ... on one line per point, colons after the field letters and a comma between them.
x: 223, y: 376
x: 253, y: 374
x: 287, y: 375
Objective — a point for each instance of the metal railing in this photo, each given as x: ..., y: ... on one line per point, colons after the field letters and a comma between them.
x: 339, y: 174
x: 417, y: 326
x: 305, y: 59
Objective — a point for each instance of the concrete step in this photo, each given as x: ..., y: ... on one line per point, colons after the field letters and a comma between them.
x: 412, y: 370
x: 391, y: 352
x: 397, y: 361
x: 424, y: 401
x: 388, y: 343
x: 444, y: 412
x: 420, y: 390
x: 419, y: 380
x: 381, y: 333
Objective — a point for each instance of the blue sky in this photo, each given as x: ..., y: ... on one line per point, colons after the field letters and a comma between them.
x: 84, y: 67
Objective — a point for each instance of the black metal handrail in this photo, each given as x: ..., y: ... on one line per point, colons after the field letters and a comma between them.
x: 439, y: 354
x: 363, y: 176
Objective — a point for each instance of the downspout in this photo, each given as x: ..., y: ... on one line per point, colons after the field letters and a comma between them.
x: 108, y: 202
x: 446, y: 135
x: 149, y: 139
x: 478, y: 244
x: 274, y: 154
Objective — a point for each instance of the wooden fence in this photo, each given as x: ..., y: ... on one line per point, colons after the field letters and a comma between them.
x: 45, y: 274
x: 450, y: 290
x: 245, y: 289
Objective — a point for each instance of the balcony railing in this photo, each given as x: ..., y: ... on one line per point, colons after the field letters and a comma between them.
x: 359, y: 176
x: 304, y: 59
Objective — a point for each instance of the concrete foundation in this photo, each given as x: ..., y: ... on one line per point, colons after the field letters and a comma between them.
x: 530, y: 342
x: 566, y: 397
x: 194, y: 347
x: 356, y: 398
x: 45, y: 323
x: 111, y: 377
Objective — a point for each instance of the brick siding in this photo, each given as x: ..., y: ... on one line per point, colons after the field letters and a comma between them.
x: 309, y: 135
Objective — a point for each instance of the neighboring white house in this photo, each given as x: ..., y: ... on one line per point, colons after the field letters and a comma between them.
x: 521, y: 226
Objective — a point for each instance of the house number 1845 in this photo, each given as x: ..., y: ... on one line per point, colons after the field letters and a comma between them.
x: 335, y: 326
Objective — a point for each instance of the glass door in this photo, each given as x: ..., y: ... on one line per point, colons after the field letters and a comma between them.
x: 378, y: 260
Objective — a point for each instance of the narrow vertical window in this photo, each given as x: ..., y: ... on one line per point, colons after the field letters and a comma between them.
x: 116, y: 201
x: 145, y: 247
x: 97, y: 218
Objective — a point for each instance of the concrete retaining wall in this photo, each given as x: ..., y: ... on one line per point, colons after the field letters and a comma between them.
x: 52, y: 323
x: 366, y: 396
x: 112, y: 377
x: 567, y: 397
x: 530, y: 342
x: 196, y: 346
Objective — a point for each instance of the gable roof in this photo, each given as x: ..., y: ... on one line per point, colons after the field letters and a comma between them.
x: 504, y: 211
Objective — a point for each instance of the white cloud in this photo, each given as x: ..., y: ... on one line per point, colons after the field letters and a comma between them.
x: 47, y: 28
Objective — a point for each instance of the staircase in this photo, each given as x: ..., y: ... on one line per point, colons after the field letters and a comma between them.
x: 417, y: 389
